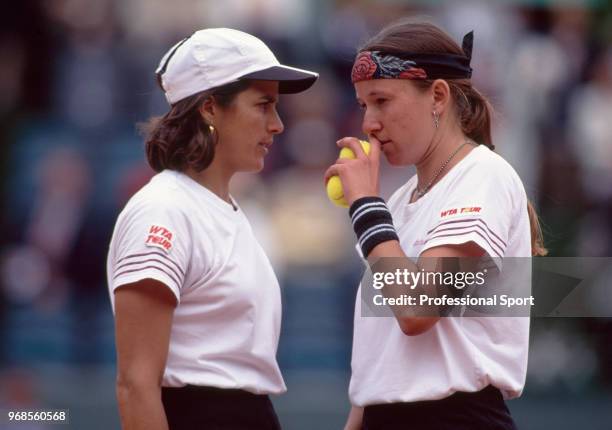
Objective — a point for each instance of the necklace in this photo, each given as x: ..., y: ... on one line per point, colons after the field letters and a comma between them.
x: 421, y: 193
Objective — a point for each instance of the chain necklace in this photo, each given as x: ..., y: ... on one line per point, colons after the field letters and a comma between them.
x: 421, y: 193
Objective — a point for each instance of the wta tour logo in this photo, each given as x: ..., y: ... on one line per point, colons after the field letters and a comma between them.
x: 159, y: 237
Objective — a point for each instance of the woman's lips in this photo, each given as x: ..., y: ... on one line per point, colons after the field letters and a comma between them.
x: 265, y: 146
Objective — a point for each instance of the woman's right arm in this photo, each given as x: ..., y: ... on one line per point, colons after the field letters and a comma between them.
x: 143, y: 317
x: 355, y: 419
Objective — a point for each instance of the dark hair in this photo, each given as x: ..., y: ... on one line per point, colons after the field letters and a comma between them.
x: 181, y: 139
x: 474, y: 111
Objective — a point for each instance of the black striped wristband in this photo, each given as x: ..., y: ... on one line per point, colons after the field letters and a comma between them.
x: 372, y: 223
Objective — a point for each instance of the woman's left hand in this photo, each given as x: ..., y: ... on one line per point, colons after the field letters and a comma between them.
x: 359, y: 176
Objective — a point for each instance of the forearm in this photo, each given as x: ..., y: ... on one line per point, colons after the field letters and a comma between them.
x: 141, y: 408
x: 390, y: 248
x: 388, y: 257
x: 355, y: 419
x: 379, y: 243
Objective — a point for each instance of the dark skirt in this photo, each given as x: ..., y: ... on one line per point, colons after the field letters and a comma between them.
x: 484, y: 409
x: 211, y: 408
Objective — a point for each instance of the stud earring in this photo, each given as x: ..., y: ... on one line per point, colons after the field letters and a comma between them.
x: 436, y: 119
x: 211, y: 128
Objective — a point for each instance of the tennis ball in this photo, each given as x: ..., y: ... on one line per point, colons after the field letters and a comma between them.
x: 334, y: 185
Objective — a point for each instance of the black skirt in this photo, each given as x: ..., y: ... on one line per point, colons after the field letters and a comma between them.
x: 484, y: 409
x: 210, y: 408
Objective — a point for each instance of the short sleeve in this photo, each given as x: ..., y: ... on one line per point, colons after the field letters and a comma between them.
x: 478, y: 208
x: 150, y: 240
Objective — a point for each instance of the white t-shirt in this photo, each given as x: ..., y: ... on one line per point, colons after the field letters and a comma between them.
x: 481, y: 199
x: 226, y: 325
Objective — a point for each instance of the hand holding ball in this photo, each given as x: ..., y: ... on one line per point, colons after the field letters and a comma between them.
x: 334, y: 185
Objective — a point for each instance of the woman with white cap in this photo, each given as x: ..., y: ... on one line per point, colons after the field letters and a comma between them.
x: 196, y: 302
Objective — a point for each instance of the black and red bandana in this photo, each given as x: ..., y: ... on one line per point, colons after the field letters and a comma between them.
x: 379, y: 65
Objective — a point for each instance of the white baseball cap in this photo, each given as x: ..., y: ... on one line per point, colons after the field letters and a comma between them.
x: 214, y: 57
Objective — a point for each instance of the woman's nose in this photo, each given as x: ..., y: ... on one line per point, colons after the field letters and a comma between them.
x: 370, y: 124
x: 276, y: 124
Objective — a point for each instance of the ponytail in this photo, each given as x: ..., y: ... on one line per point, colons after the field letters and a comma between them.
x: 537, y: 238
x: 475, y: 113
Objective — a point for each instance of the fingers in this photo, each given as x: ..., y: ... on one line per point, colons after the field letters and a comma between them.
x: 344, y: 161
x: 361, y: 172
x: 331, y: 171
x: 354, y: 145
x: 374, y: 149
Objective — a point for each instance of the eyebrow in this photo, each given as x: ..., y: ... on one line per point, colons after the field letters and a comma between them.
x: 379, y: 93
x: 374, y: 93
x: 269, y: 98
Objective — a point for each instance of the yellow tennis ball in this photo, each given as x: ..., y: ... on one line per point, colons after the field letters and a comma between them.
x: 334, y: 185
x: 335, y: 192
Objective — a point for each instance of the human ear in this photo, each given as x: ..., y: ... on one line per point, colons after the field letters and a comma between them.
x: 208, y: 110
x: 441, y: 95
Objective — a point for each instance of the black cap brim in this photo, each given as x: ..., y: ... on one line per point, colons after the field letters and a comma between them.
x: 290, y: 79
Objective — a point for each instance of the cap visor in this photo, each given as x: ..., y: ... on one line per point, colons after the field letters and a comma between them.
x: 290, y: 79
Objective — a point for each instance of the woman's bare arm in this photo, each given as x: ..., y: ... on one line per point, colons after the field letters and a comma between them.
x: 143, y: 317
x: 355, y: 419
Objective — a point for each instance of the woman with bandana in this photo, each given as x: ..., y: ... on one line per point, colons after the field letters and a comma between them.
x: 420, y: 108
